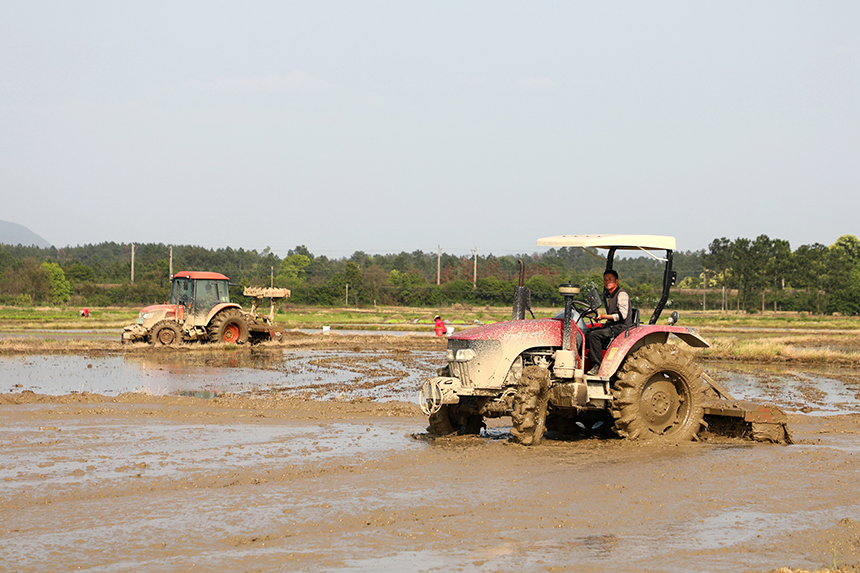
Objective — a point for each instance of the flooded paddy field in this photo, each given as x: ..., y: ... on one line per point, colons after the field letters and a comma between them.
x: 316, y: 459
x: 377, y: 374
x: 309, y: 373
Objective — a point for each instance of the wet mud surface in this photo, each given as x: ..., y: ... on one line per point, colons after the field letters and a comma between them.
x: 317, y: 460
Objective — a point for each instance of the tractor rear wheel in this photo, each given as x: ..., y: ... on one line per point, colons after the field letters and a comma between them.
x: 229, y: 326
x: 165, y: 333
x: 659, y: 395
x: 528, y: 415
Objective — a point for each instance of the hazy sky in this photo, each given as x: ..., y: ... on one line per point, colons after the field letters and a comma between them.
x: 395, y: 126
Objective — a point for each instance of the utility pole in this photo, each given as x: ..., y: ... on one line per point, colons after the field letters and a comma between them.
x: 347, y: 294
x: 171, y: 261
x: 705, y: 292
x: 475, y: 271
x: 439, y: 265
x: 132, y: 263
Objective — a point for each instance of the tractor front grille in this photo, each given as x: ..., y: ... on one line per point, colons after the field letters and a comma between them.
x: 460, y: 370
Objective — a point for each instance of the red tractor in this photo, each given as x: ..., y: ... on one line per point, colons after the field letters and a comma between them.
x: 648, y: 386
x: 200, y: 309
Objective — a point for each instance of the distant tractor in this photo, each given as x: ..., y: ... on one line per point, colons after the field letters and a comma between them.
x: 648, y: 387
x: 200, y: 310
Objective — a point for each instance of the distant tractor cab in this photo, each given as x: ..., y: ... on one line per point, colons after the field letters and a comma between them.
x: 648, y: 386
x: 199, y: 309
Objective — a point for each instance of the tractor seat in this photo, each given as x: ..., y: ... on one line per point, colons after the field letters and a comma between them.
x: 636, y: 322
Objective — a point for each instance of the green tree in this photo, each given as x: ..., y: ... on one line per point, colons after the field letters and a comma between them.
x: 849, y: 247
x: 26, y: 278
x: 808, y: 270
x: 292, y: 271
x: 61, y: 289
x: 846, y: 298
x: 718, y: 260
x: 407, y: 288
x: 544, y: 292
x: 495, y: 291
x: 79, y: 273
x: 839, y: 277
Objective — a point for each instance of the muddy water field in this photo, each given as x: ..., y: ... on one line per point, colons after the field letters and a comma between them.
x: 314, y: 457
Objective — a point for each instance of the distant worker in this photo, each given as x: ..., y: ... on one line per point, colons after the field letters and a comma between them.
x: 441, y: 329
x: 85, y: 312
x: 618, y: 318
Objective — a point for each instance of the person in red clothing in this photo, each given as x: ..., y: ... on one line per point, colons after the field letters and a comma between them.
x: 441, y: 329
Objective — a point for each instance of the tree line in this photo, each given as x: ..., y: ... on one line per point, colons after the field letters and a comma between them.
x: 745, y: 274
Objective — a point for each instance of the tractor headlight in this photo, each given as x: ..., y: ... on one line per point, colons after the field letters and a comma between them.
x: 461, y: 355
x: 465, y: 354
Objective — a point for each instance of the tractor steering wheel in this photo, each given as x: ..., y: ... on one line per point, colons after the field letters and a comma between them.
x: 585, y: 311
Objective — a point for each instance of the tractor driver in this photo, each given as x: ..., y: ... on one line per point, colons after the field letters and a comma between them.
x: 618, y: 318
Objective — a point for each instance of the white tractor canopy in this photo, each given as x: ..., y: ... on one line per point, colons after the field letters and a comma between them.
x: 613, y: 243
x: 620, y: 242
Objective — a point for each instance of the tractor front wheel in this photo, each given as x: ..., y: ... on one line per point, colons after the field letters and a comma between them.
x: 659, y: 395
x: 528, y: 414
x: 440, y: 422
x: 229, y: 327
x: 165, y: 333
x: 452, y: 419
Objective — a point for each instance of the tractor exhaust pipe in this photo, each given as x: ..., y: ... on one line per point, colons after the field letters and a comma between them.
x: 522, y: 296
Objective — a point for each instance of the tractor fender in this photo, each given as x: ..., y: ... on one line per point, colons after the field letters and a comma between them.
x: 218, y: 308
x: 632, y: 339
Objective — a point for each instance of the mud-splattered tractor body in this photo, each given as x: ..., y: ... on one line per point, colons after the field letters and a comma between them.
x: 647, y: 387
x: 200, y: 309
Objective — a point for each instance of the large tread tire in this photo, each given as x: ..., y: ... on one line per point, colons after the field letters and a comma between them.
x: 440, y: 422
x: 528, y: 415
x: 450, y: 419
x: 229, y: 327
x: 165, y: 333
x: 659, y: 395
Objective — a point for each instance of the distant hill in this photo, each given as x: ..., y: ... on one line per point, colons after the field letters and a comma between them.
x: 15, y: 234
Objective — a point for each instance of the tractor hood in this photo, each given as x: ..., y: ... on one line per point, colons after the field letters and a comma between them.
x: 151, y: 314
x: 156, y: 307
x: 531, y: 333
x: 481, y: 357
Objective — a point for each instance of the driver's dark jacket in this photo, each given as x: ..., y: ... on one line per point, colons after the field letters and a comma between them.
x: 612, y: 307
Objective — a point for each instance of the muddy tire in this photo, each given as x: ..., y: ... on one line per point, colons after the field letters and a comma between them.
x: 166, y: 333
x: 440, y: 422
x: 528, y: 415
x: 229, y: 326
x: 450, y: 419
x: 659, y: 395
